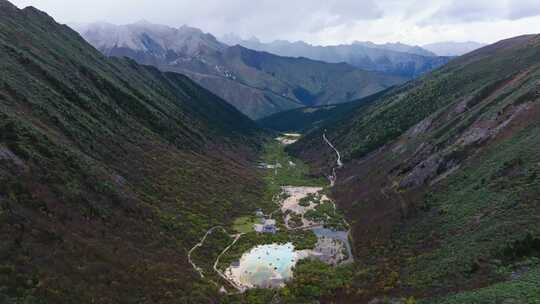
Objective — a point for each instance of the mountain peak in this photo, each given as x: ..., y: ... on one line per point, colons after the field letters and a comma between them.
x: 144, y: 36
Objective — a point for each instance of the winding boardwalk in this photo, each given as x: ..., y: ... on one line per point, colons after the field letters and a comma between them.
x: 238, y: 287
x: 220, y: 273
x: 198, y: 269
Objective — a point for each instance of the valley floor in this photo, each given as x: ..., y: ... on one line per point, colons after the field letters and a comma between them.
x: 303, y: 217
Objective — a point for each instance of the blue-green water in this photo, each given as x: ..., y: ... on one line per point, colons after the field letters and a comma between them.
x: 267, y: 265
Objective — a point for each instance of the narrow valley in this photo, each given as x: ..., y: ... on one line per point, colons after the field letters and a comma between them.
x: 171, y: 161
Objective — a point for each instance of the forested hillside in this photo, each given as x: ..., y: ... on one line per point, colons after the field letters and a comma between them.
x: 109, y: 171
x: 441, y: 180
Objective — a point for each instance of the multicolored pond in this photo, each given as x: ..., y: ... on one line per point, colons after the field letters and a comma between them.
x: 265, y: 266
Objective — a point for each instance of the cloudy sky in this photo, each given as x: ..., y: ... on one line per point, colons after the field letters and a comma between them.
x: 319, y: 22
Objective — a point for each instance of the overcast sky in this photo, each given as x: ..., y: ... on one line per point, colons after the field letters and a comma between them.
x: 319, y: 22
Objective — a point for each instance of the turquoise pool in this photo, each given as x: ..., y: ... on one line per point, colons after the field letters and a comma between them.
x: 265, y: 266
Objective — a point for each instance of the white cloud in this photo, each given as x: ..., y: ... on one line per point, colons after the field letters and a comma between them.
x: 320, y: 22
x: 485, y: 10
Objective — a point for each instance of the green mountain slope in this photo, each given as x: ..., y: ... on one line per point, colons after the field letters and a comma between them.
x: 109, y: 171
x: 441, y: 181
x: 306, y: 119
x: 256, y: 83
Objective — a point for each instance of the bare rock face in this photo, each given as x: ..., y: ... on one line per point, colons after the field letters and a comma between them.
x: 420, y: 128
x: 421, y: 173
x: 429, y: 165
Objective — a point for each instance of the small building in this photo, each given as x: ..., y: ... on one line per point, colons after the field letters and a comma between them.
x: 269, y: 226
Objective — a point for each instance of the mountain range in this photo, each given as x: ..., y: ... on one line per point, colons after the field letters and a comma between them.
x: 256, y: 83
x: 392, y: 58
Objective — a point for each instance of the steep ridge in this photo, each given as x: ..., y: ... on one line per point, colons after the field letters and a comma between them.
x: 441, y: 180
x: 257, y: 83
x: 109, y: 171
